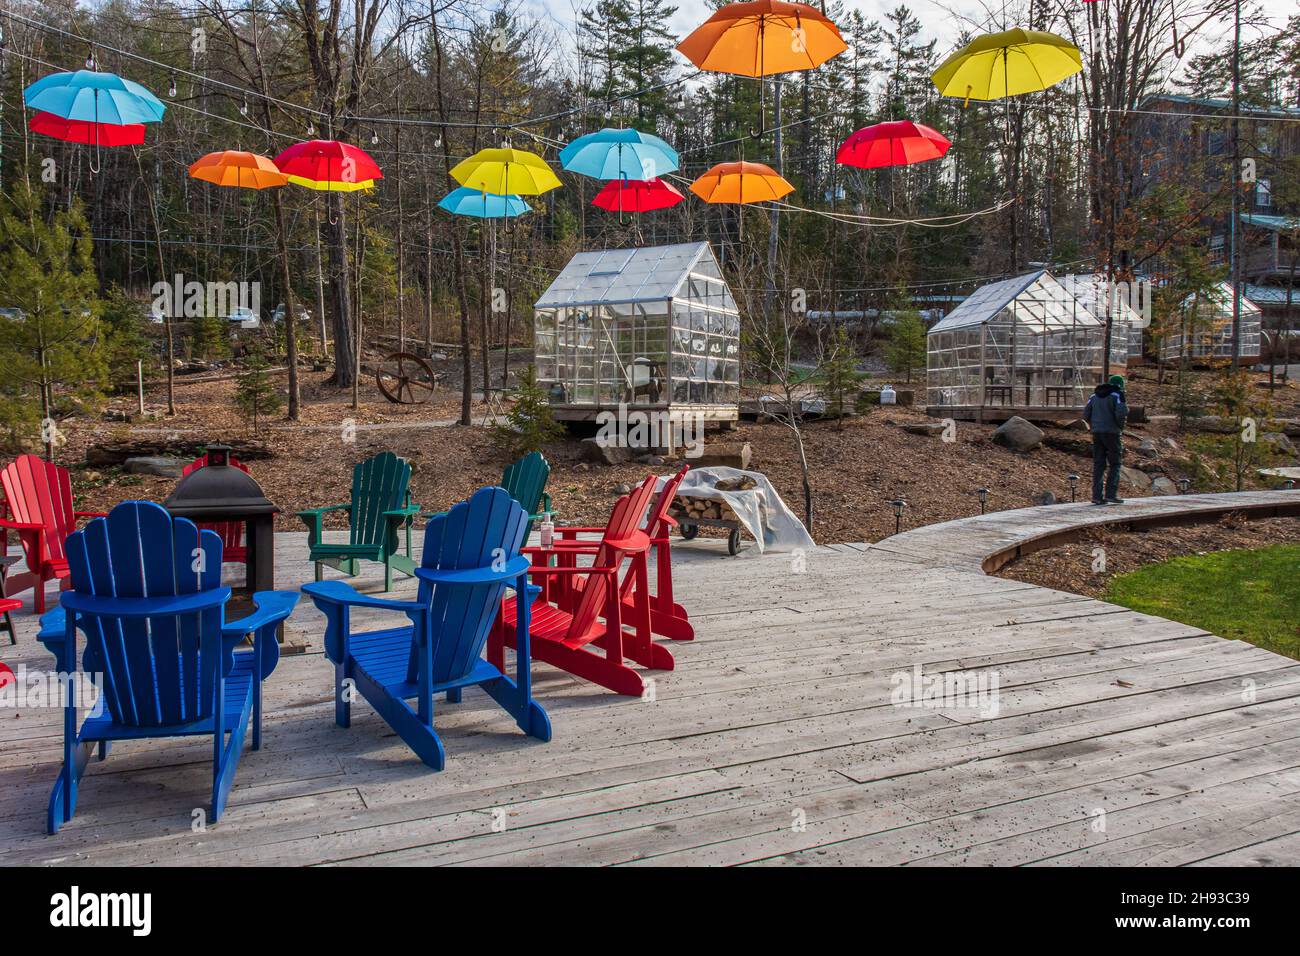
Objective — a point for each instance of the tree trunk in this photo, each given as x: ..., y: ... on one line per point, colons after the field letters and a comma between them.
x: 340, y: 293
x: 290, y: 319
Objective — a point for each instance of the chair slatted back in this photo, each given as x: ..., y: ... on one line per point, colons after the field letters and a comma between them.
x: 525, y: 480
x: 39, y: 492
x: 231, y: 532
x: 656, y: 525
x: 483, y: 532
x: 379, y: 484
x: 623, y: 520
x: 158, y: 670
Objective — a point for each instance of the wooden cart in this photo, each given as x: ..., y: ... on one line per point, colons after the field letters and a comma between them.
x: 695, y: 513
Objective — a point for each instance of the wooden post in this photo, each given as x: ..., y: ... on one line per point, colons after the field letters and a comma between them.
x: 139, y: 382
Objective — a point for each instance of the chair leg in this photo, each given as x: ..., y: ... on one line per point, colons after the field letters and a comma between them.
x: 342, y: 705
x: 227, y: 761
x: 63, y: 798
x: 388, y: 574
x: 319, y: 574
x: 454, y: 695
x: 39, y: 598
x: 9, y: 626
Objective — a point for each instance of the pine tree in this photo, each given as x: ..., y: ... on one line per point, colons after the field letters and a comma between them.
x: 256, y: 394
x: 529, y: 424
x: 842, y: 376
x: 906, y: 348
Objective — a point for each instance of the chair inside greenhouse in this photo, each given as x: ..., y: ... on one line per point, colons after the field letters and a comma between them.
x: 651, y: 328
x: 1022, y: 345
x: 1204, y: 335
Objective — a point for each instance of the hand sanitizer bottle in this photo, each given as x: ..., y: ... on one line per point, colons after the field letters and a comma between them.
x: 547, y: 531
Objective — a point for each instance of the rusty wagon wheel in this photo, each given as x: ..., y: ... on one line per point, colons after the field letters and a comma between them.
x: 406, y: 378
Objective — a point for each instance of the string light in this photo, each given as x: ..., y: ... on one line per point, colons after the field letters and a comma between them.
x: 171, y: 87
x: 243, y: 107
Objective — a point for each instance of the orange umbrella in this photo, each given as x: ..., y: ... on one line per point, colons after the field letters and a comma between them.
x: 740, y: 182
x: 232, y: 167
x: 763, y: 37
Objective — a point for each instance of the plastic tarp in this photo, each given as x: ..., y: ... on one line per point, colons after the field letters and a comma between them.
x: 760, y: 509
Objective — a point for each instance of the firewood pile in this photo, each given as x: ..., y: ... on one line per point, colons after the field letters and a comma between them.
x: 690, y: 507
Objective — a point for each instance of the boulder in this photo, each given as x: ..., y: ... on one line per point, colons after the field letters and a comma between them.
x: 1076, y: 425
x: 1069, y: 444
x: 1164, y: 486
x: 731, y: 454
x: 1146, y: 448
x: 1170, y: 444
x: 1018, y: 434
x: 604, y: 454
x: 654, y: 461
x: 1131, y: 476
x: 924, y: 428
x: 1044, y: 498
x: 154, y: 465
x: 1279, y: 441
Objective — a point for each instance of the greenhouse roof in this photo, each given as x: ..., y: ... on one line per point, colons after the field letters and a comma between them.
x: 648, y: 274
x: 1091, y: 291
x: 1039, y: 300
x: 1219, y: 298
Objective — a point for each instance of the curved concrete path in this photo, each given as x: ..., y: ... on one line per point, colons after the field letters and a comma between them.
x: 991, y: 540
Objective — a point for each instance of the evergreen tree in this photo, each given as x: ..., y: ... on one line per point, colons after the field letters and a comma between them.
x: 842, y: 376
x: 529, y: 424
x: 256, y: 394
x: 906, y: 348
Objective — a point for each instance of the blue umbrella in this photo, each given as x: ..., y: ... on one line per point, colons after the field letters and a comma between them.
x: 465, y: 201
x: 93, y: 97
x: 619, y: 154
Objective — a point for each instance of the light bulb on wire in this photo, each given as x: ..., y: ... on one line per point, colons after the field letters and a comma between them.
x: 243, y: 107
x: 171, y: 87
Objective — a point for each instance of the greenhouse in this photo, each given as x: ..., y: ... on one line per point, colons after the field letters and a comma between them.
x: 653, y: 329
x: 1098, y: 296
x: 1205, y: 330
x: 1022, y: 346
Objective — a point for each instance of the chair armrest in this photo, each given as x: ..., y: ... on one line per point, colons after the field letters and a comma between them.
x: 21, y: 525
x: 320, y: 511
x: 90, y: 514
x: 144, y: 606
x: 573, y: 530
x: 272, y: 607
x: 410, y: 511
x: 54, y: 631
x: 536, y: 570
x: 342, y: 594
x: 430, y: 515
x: 513, y: 569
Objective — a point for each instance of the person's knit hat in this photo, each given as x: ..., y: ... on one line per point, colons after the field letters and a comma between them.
x: 1117, y: 381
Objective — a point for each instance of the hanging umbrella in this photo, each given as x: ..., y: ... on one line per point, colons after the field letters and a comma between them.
x: 94, y: 97
x: 763, y: 37
x: 635, y: 195
x: 505, y: 172
x: 471, y: 202
x: 898, y: 143
x: 619, y: 154
x: 328, y: 165
x: 740, y: 182
x: 1004, y: 64
x: 240, y: 169
x: 80, y: 131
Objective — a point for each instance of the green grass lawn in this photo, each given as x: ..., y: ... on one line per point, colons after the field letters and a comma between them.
x: 1247, y: 595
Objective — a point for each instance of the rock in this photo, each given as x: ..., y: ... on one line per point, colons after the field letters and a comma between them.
x: 1131, y: 476
x: 1170, y: 444
x: 1147, y: 449
x: 924, y: 428
x: 622, y: 489
x: 152, y: 465
x: 654, y: 461
x: 731, y: 454
x: 1018, y: 434
x: 1069, y: 444
x: 1212, y: 423
x: 1044, y: 498
x: 605, y: 454
x: 1164, y: 486
x: 1077, y: 425
x: 1279, y: 441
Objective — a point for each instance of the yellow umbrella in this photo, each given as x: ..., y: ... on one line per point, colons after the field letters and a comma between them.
x: 1004, y: 64
x: 505, y: 172
x: 740, y: 182
x: 331, y: 186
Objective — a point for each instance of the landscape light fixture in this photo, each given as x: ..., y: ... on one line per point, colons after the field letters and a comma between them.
x: 1073, y: 479
x: 1183, y: 485
x: 899, y: 504
x: 1289, y: 484
x: 983, y: 495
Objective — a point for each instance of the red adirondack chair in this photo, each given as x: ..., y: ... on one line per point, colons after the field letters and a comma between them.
x: 561, y: 630
x: 38, y: 502
x: 667, y: 618
x: 233, y: 547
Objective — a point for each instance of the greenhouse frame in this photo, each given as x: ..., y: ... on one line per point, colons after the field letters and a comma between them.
x: 1023, y: 346
x: 653, y: 329
x: 1098, y: 296
x: 1205, y: 329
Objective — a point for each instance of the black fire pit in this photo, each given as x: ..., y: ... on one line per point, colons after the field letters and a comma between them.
x: 221, y: 492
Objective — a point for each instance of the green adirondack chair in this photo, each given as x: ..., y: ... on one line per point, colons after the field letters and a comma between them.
x: 381, y: 506
x: 525, y: 481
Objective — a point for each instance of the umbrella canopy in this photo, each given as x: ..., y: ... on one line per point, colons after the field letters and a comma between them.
x: 328, y: 163
x: 740, y: 182
x: 892, y: 144
x: 763, y: 37
x: 232, y: 167
x: 78, y: 131
x: 635, y: 195
x: 1005, y: 64
x: 464, y: 201
x: 327, y: 186
x: 506, y: 172
x: 94, y: 97
x: 619, y: 154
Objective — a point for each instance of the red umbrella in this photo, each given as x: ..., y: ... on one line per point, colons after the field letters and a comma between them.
x: 637, y: 195
x: 899, y: 143
x: 83, y: 131
x: 328, y: 161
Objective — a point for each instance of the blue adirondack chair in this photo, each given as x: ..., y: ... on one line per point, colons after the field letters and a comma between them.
x: 147, y: 595
x: 380, y: 505
x: 471, y: 554
x: 525, y: 481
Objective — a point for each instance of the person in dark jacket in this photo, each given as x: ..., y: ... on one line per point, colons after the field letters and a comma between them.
x: 1105, y: 414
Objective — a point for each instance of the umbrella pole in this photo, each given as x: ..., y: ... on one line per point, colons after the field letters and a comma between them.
x: 762, y: 87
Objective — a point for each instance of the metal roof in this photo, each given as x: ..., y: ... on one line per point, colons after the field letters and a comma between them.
x: 1263, y: 295
x: 1274, y: 223
x: 1095, y: 295
x: 649, y: 274
x: 1219, y: 299
x: 1040, y: 302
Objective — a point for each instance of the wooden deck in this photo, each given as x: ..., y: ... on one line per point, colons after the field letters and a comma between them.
x: 1119, y: 738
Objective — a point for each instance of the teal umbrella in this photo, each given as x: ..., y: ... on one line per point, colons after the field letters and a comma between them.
x: 464, y: 201
x: 619, y: 154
